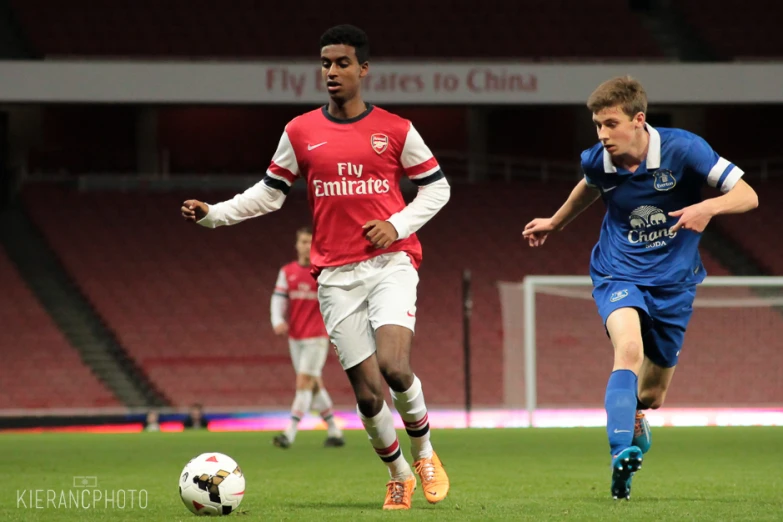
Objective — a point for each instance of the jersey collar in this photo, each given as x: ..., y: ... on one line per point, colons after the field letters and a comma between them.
x: 325, y: 111
x: 653, y: 152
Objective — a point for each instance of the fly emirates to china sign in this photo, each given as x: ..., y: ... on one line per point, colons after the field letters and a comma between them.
x: 478, y: 81
x: 387, y: 83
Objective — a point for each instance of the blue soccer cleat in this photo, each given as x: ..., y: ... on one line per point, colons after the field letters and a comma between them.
x: 642, y: 435
x: 624, y: 465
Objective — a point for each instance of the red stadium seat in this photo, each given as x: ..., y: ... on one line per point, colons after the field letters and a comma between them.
x: 250, y: 29
x: 40, y: 368
x: 191, y: 305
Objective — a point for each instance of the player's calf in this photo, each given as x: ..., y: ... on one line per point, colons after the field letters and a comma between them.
x: 383, y: 439
x: 413, y: 410
x: 651, y: 398
x: 322, y: 402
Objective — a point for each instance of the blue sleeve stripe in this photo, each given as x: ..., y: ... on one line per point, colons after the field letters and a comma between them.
x: 725, y: 174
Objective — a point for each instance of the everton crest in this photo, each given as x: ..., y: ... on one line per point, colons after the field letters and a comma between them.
x: 664, y: 180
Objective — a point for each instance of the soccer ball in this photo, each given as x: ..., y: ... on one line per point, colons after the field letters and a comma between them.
x: 212, y: 484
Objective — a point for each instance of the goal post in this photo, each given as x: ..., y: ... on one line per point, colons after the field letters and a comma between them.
x: 559, y: 312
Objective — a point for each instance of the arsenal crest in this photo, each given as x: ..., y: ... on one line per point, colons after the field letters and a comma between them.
x: 379, y: 142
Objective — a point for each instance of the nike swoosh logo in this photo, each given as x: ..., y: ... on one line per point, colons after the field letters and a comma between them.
x: 311, y: 147
x: 411, y: 315
x: 609, y: 189
x: 621, y: 431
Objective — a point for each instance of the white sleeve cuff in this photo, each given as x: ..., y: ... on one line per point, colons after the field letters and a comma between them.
x: 210, y: 220
x: 403, y: 230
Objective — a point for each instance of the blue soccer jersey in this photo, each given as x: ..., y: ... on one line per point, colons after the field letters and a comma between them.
x: 636, y: 243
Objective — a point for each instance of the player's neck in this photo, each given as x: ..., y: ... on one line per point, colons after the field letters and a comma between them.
x: 303, y: 261
x: 636, y: 155
x: 347, y: 110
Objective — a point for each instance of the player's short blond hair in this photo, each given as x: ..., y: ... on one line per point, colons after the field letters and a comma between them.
x: 625, y: 91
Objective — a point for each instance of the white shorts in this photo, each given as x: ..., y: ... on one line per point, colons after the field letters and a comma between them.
x: 309, y: 355
x: 359, y: 298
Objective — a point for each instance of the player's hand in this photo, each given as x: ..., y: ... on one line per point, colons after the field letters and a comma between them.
x: 694, y: 217
x: 380, y: 233
x: 194, y: 210
x: 537, y: 231
x: 281, y: 329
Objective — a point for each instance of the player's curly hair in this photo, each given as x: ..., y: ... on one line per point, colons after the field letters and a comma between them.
x: 347, y: 34
x: 625, y: 91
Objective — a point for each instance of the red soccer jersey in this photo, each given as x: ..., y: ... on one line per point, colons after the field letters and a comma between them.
x: 304, y: 315
x: 353, y: 170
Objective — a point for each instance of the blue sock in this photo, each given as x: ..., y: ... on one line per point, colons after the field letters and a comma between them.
x: 620, y: 404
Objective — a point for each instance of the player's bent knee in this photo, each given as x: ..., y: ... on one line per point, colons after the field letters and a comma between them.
x: 369, y: 404
x: 318, y: 385
x: 399, y: 377
x: 653, y: 398
x: 305, y: 382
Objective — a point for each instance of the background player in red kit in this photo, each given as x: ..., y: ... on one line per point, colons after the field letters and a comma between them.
x: 295, y: 312
x: 365, y: 252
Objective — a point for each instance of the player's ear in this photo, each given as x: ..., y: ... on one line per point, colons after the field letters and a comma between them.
x: 640, y: 118
x: 364, y: 69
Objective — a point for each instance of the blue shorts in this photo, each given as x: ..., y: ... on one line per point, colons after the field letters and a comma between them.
x: 664, y: 314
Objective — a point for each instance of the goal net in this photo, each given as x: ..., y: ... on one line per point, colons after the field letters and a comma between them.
x: 557, y: 355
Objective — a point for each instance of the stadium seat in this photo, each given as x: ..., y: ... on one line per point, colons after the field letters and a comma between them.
x: 40, y: 368
x: 191, y: 305
x: 250, y: 29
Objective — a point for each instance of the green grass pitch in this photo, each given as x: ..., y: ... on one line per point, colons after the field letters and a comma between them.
x: 711, y: 474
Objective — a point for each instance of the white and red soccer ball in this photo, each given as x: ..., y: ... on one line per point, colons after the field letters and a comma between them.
x: 212, y: 484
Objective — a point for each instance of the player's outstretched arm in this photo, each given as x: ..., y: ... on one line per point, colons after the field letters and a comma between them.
x: 582, y: 196
x: 739, y: 199
x: 262, y: 198
x: 258, y: 200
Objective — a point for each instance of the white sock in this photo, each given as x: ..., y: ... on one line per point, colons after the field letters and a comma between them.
x: 383, y: 438
x: 323, y: 404
x: 299, y: 408
x: 410, y: 405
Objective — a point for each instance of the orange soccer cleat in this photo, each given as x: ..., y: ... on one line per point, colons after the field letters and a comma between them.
x: 399, y: 493
x: 434, y: 480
